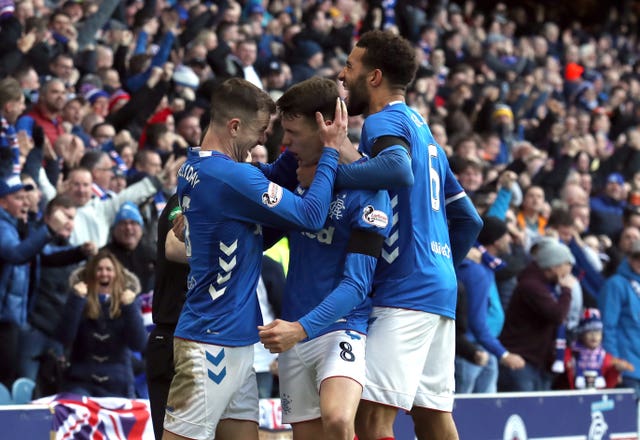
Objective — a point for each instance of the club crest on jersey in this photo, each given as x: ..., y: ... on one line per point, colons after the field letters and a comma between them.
x: 374, y: 217
x: 273, y: 195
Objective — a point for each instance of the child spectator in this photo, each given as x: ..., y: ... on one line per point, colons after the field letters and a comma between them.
x: 588, y: 365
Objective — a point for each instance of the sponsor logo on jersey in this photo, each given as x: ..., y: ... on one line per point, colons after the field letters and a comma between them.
x: 323, y: 235
x: 441, y: 249
x: 374, y: 217
x: 337, y: 207
x: 272, y: 197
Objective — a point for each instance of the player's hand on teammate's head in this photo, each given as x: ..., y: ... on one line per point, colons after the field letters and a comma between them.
x: 334, y: 133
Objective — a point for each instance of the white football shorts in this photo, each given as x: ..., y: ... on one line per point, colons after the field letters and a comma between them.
x: 303, y: 368
x: 211, y: 383
x: 410, y: 359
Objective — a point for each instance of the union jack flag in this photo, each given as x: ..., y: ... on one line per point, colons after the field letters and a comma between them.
x: 104, y: 418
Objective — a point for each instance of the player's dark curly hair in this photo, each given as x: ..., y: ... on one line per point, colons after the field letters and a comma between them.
x: 308, y: 97
x: 392, y: 54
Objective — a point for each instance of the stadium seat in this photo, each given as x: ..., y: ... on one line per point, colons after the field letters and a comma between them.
x: 22, y: 390
x: 5, y: 396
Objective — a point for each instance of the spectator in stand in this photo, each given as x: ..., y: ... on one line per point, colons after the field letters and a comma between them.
x: 56, y: 262
x: 16, y: 257
x: 101, y: 167
x: 128, y: 247
x: 145, y: 163
x: 260, y: 154
x: 61, y: 66
x: 188, y: 126
x: 276, y: 80
x: 47, y: 113
x: 98, y: 101
x: 539, y: 305
x: 486, y: 316
x: 465, y: 349
x: 148, y: 163
x: 246, y: 51
x: 588, y: 365
x: 531, y: 217
x: 621, y: 249
x: 587, y: 267
x: 29, y: 83
x: 11, y: 106
x: 103, y: 134
x: 619, y: 302
x: 69, y: 150
x: 469, y: 173
x: 73, y: 112
x: 631, y: 216
x: 101, y: 324
x: 309, y: 58
x: 607, y: 208
x: 95, y: 216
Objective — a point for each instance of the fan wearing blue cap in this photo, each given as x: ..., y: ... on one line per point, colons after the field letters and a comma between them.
x: 127, y: 245
x: 607, y: 208
x: 16, y: 255
x: 309, y: 58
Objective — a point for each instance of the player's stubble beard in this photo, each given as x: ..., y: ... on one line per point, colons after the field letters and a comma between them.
x: 358, y: 98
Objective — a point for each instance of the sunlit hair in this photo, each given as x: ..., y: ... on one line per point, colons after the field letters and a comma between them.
x: 93, y: 309
x: 238, y: 98
x: 308, y: 97
x: 392, y: 54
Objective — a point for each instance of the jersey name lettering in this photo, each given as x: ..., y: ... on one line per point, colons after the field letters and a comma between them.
x: 188, y: 173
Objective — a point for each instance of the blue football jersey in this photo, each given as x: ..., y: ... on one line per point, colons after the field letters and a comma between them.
x: 320, y: 261
x: 416, y: 269
x: 225, y: 203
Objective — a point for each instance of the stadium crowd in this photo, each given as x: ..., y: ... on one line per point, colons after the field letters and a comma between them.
x: 100, y: 100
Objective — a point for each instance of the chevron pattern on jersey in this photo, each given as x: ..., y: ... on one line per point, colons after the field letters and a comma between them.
x: 227, y: 263
x: 391, y: 250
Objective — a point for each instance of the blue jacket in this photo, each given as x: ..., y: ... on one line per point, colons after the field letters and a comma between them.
x: 15, y: 256
x: 484, y: 325
x: 606, y: 215
x: 619, y: 304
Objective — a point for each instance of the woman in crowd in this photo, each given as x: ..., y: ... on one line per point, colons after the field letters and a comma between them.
x: 102, y: 323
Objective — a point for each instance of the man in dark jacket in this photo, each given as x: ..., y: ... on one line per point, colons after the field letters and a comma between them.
x: 539, y: 305
x: 127, y: 245
x: 56, y: 262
